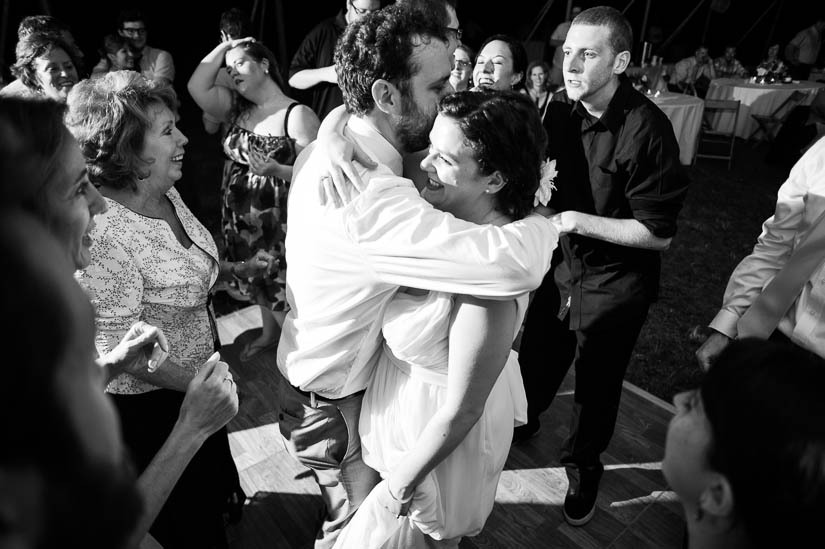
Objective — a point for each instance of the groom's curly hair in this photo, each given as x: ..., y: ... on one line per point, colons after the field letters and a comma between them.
x: 380, y: 46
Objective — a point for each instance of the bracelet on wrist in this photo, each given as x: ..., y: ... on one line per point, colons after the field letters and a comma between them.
x: 233, y: 270
x: 402, y: 501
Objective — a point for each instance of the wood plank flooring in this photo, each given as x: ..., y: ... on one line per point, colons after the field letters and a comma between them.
x: 635, y: 507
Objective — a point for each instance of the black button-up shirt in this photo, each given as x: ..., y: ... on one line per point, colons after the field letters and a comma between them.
x: 624, y: 165
x: 316, y: 51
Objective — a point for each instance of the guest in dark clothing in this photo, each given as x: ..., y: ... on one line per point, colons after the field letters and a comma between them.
x: 313, y: 68
x: 620, y: 187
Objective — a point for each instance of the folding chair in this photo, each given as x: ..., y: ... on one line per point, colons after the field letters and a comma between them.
x: 718, y: 143
x: 769, y: 124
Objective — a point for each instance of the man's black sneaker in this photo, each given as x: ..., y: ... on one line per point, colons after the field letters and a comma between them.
x: 525, y: 432
x: 580, y: 502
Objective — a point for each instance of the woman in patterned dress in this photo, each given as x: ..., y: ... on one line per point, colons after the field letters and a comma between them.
x: 153, y: 261
x: 267, y: 129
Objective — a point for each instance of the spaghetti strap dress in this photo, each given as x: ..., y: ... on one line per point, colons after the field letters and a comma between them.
x: 253, y: 207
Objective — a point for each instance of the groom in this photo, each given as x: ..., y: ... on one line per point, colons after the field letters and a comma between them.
x: 346, y: 264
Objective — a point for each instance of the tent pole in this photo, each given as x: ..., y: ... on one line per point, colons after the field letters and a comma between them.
x: 643, y: 33
x: 755, y: 23
x: 773, y: 25
x: 707, y: 23
x: 540, y: 18
x: 627, y: 7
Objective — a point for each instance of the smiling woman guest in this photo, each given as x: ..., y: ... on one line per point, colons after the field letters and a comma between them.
x: 115, y: 55
x: 152, y: 260
x: 47, y: 65
x: 501, y: 63
x: 267, y: 131
x: 538, y: 85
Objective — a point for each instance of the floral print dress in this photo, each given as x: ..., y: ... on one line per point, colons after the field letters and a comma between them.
x: 253, y: 207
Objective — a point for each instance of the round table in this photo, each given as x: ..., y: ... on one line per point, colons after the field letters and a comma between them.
x: 755, y: 99
x: 685, y: 114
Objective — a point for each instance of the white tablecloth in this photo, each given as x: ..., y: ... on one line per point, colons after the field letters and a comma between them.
x: 685, y: 114
x: 755, y: 99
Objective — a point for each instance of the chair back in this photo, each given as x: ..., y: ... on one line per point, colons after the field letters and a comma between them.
x: 718, y: 143
x: 781, y: 112
x: 768, y: 124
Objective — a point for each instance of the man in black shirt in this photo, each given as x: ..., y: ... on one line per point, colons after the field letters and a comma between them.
x: 312, y: 67
x: 620, y: 187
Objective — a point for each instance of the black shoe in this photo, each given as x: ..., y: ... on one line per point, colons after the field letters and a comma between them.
x: 580, y: 502
x: 525, y: 432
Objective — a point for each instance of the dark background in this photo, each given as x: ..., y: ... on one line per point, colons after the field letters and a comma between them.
x: 189, y: 29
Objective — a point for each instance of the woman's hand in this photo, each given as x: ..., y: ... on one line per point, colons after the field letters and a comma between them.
x: 259, y: 164
x: 143, y: 348
x: 342, y: 181
x: 393, y: 501
x: 262, y: 263
x: 235, y: 42
x: 211, y: 399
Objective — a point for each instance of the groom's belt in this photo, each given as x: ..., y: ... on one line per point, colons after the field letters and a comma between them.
x: 315, y: 396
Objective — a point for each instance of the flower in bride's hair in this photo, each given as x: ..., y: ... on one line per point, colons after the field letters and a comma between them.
x: 547, y: 182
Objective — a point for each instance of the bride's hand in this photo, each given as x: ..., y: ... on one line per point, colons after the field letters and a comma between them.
x: 342, y: 182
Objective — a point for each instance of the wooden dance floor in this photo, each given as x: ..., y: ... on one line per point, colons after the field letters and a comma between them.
x: 635, y: 509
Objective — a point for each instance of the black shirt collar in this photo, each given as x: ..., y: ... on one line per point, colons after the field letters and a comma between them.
x: 614, y: 115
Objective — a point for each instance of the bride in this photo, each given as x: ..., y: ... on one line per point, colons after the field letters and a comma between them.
x: 438, y: 416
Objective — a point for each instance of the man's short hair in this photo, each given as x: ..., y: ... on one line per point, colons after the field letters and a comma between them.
x: 235, y: 23
x: 621, y: 33
x: 129, y: 15
x: 381, y: 46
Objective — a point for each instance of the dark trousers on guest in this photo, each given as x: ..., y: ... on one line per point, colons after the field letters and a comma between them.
x: 193, y: 514
x: 600, y: 357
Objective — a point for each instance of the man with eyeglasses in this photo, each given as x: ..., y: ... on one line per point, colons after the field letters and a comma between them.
x: 312, y: 67
x: 155, y: 64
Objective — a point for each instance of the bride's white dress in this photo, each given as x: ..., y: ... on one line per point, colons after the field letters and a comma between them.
x: 408, y: 387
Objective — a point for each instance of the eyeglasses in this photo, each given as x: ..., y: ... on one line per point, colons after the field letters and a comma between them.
x: 455, y: 30
x: 461, y: 64
x: 361, y: 11
x: 134, y: 30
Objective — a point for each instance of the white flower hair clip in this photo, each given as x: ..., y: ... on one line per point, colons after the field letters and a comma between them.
x: 547, y: 183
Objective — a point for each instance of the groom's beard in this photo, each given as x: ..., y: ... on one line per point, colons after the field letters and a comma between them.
x: 92, y: 505
x: 413, y: 126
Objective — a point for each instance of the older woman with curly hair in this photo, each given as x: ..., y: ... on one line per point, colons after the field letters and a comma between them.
x: 152, y: 260
x: 47, y: 65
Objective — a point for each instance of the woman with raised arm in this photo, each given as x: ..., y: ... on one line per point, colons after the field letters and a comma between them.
x: 267, y: 131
